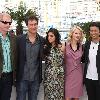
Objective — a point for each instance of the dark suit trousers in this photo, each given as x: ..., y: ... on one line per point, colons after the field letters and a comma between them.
x: 6, y: 82
x: 93, y: 89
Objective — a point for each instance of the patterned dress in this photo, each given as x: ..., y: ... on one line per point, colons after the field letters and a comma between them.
x: 54, y: 76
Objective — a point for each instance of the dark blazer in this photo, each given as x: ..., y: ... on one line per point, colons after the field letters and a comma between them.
x: 13, y: 49
x: 85, y: 59
x: 21, y: 46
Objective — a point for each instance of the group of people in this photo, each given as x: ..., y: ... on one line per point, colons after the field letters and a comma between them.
x: 64, y: 75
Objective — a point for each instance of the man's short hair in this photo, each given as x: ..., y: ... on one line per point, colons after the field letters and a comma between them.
x: 31, y: 17
x: 97, y: 24
x: 4, y: 14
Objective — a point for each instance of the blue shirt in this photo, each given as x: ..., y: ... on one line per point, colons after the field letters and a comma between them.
x: 6, y: 54
x: 32, y: 60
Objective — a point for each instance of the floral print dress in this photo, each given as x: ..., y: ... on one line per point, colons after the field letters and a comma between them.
x: 54, y: 75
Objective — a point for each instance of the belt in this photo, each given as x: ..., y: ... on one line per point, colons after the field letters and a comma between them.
x: 6, y: 73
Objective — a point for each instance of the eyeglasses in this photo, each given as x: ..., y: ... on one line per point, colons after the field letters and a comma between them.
x: 5, y: 22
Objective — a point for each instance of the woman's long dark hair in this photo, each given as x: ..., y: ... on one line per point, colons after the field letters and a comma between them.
x: 57, y: 40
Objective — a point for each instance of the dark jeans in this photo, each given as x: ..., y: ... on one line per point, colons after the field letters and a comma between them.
x: 93, y: 89
x: 30, y: 87
x: 6, y: 82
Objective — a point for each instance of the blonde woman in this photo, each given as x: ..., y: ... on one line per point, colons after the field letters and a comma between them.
x: 73, y: 68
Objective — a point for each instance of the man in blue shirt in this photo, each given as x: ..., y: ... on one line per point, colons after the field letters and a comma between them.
x: 30, y: 47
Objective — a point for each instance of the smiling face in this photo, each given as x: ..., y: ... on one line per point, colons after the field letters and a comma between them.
x: 76, y: 35
x: 94, y: 32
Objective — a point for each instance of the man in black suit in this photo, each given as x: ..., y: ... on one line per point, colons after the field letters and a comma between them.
x: 91, y: 57
x: 30, y: 47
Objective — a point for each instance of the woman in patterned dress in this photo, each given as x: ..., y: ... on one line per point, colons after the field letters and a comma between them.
x: 73, y: 69
x: 54, y: 67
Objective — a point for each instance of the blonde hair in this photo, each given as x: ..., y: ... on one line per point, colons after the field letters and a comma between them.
x: 4, y: 14
x: 72, y: 31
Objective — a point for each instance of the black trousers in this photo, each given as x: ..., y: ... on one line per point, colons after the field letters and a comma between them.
x: 6, y: 82
x: 93, y: 89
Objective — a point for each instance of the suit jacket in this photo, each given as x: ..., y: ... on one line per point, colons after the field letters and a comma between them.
x: 85, y: 59
x: 13, y: 50
x: 21, y: 45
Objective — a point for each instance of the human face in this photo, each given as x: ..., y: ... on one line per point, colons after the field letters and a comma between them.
x: 32, y: 26
x: 51, y: 38
x: 94, y: 32
x: 76, y: 35
x: 5, y: 23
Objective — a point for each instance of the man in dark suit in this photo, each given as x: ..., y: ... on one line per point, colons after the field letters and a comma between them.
x: 91, y: 57
x: 8, y: 57
x: 30, y: 47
